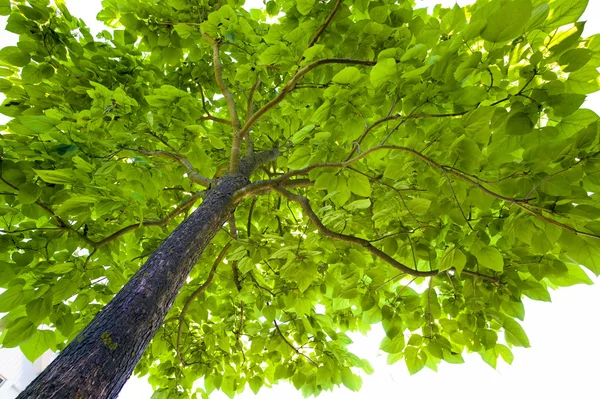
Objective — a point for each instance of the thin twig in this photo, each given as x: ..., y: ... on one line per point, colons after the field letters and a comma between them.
x: 195, y: 295
x: 290, y: 344
x: 322, y: 28
x: 193, y: 175
x: 457, y: 202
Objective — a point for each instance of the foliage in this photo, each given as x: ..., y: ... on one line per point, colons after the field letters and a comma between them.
x: 439, y: 168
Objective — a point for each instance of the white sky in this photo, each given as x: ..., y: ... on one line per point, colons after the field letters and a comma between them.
x: 563, y: 359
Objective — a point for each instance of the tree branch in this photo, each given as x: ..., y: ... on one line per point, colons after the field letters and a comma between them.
x: 61, y: 223
x: 266, y: 186
x: 521, y: 203
x: 160, y: 222
x: 234, y: 264
x: 209, y: 117
x: 303, y: 202
x: 288, y: 343
x: 322, y: 28
x: 196, y: 294
x: 289, y: 86
x: 236, y: 151
x: 388, y: 118
x: 193, y: 175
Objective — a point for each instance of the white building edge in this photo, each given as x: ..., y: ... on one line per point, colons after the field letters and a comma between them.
x: 16, y: 371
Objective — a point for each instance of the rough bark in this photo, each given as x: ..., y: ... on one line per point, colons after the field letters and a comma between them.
x: 99, y: 361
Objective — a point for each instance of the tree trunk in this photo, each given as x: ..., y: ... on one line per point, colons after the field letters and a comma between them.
x: 97, y: 363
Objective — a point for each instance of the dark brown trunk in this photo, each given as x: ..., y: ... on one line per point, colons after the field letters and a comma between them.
x: 99, y: 361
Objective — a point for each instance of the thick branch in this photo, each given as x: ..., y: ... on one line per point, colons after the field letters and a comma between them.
x: 195, y: 294
x: 237, y: 136
x: 193, y: 175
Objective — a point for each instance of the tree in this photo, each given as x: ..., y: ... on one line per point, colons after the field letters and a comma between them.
x: 351, y: 163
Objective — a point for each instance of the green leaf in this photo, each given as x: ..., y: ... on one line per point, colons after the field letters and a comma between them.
x: 59, y: 176
x: 359, y: 185
x: 383, y: 72
x: 491, y: 258
x: 29, y: 193
x: 255, y: 384
x: 274, y: 54
x: 350, y: 380
x: 305, y: 6
x: 38, y: 344
x: 300, y: 158
x: 584, y: 251
x: 514, y: 333
x: 39, y: 124
x: 302, y: 134
x: 564, y: 12
x: 20, y: 332
x: 508, y: 21
x: 519, y: 124
x: 566, y: 104
x: 184, y: 30
x: 453, y: 258
x: 39, y: 309
x: 12, y: 55
x: 415, y: 361
x: 11, y: 298
x: 419, y: 205
x: 357, y: 257
x: 4, y: 7
x: 575, y: 59
x: 346, y: 76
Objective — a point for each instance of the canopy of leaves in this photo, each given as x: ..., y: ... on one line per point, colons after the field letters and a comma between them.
x: 445, y: 169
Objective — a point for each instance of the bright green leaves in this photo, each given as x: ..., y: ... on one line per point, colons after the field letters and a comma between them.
x: 453, y: 258
x: 351, y: 380
x: 575, y: 59
x: 508, y: 21
x: 12, y: 55
x: 61, y: 176
x: 348, y: 75
x: 490, y: 258
x: 11, y: 298
x: 21, y: 331
x: 4, y: 7
x: 582, y: 250
x: 564, y: 12
x: 305, y: 6
x: 415, y: 359
x: 359, y: 185
x: 514, y: 333
x: 519, y: 124
x: 38, y: 344
x: 384, y: 72
x: 29, y: 193
x: 485, y: 100
x: 33, y: 74
x: 39, y: 309
x: 275, y: 54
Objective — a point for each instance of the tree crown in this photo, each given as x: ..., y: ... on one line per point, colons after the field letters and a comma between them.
x: 422, y: 171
